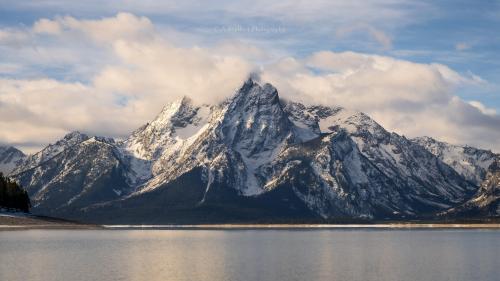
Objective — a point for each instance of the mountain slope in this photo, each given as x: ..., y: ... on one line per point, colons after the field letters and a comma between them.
x: 379, y: 173
x: 486, y: 202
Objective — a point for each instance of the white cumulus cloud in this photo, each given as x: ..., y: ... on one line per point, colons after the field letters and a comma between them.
x: 123, y: 71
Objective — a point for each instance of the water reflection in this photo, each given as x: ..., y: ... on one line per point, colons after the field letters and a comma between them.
x: 249, y: 255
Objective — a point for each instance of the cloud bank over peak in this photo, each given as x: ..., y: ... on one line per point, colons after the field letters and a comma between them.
x: 119, y: 71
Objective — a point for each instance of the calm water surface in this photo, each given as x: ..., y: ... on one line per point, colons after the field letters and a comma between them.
x: 351, y: 255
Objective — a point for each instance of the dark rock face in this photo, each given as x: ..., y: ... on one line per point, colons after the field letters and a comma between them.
x: 254, y: 158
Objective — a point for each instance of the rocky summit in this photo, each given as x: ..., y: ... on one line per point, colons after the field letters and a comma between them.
x: 257, y: 158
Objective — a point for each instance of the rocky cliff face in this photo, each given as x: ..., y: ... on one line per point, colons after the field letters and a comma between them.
x: 252, y: 157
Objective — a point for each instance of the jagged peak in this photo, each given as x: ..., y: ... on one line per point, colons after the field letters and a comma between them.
x: 425, y: 138
x: 433, y: 144
x: 429, y: 140
x: 175, y: 113
x: 70, y: 139
x: 352, y: 120
x: 75, y: 135
x: 106, y: 140
x: 437, y: 147
x: 361, y: 118
x: 176, y: 121
x: 173, y: 107
x: 249, y: 83
x: 10, y: 149
x: 251, y: 89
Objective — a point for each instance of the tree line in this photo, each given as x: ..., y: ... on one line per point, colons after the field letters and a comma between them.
x: 13, y: 196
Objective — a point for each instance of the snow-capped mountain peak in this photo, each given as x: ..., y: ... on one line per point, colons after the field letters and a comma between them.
x: 177, y: 122
x: 72, y: 138
x: 255, y: 120
x: 149, y: 141
x: 33, y: 160
x: 256, y: 127
x: 10, y: 157
x: 177, y: 113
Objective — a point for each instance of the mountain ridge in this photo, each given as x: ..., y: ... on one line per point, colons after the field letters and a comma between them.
x: 253, y: 155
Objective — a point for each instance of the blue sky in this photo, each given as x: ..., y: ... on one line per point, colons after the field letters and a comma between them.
x: 462, y: 35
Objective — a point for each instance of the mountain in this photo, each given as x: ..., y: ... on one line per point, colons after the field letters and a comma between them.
x: 486, y: 202
x: 50, y: 151
x: 469, y: 162
x: 252, y: 158
x: 75, y: 171
x: 10, y: 157
x: 478, y: 166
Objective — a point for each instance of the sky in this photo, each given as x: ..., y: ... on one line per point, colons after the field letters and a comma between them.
x: 107, y: 67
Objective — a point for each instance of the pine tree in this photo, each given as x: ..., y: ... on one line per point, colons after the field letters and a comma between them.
x: 13, y: 196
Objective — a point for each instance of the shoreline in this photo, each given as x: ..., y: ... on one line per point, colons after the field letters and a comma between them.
x: 23, y: 221
x: 399, y: 226
x: 309, y: 226
x: 4, y: 227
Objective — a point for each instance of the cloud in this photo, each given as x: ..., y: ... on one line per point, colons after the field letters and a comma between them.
x: 376, y: 34
x: 13, y: 37
x: 485, y: 110
x: 462, y: 46
x: 47, y: 26
x: 168, y: 72
x: 122, y: 26
x: 123, y: 70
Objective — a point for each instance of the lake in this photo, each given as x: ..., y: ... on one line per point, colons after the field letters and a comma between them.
x: 258, y: 254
